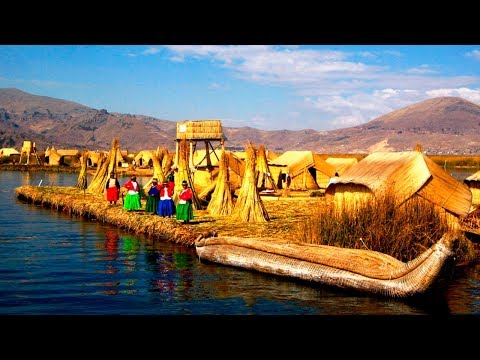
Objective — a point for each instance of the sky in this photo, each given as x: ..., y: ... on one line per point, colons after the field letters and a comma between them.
x: 267, y: 87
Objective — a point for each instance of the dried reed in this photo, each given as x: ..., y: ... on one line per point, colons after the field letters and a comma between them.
x: 378, y: 224
x: 249, y: 206
x: 262, y: 170
x: 221, y: 202
x: 106, y: 165
x: 82, y: 176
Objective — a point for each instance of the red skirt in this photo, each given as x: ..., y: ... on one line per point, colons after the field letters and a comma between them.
x: 112, y: 194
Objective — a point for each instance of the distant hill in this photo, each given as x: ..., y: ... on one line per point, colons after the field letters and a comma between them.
x: 440, y: 125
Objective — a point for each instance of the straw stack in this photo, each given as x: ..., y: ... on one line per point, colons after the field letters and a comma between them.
x: 104, y: 168
x: 221, y: 202
x: 249, y: 206
x: 82, y: 176
x: 262, y: 170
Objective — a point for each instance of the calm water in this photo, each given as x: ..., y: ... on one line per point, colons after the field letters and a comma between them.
x: 51, y: 263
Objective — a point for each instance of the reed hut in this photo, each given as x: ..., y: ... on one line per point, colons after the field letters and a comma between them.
x: 473, y: 183
x: 8, y: 151
x: 409, y: 175
x: 144, y: 158
x: 52, y: 157
x: 306, y: 170
x: 93, y: 157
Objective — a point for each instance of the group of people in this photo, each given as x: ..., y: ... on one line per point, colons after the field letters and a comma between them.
x: 159, y: 197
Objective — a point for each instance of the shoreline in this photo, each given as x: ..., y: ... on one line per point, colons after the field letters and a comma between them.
x: 286, y: 214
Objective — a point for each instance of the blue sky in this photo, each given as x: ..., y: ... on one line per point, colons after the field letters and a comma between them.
x: 268, y: 87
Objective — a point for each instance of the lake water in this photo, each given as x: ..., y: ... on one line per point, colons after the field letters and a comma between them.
x: 51, y: 263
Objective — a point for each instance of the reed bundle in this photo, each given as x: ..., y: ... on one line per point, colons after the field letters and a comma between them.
x: 105, y: 166
x: 157, y: 169
x: 221, y: 202
x: 82, y: 176
x: 262, y: 170
x: 249, y: 206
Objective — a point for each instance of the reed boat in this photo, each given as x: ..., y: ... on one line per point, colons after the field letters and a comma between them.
x: 352, y: 269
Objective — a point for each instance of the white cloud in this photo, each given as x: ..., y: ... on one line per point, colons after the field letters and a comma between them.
x: 474, y: 53
x: 151, y: 51
x: 393, y: 53
x: 422, y: 69
x: 466, y: 93
x: 216, y: 86
x: 367, y: 54
x: 333, y: 90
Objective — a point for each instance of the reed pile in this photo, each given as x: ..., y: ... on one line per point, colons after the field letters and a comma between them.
x: 249, y: 205
x: 221, y: 202
x: 82, y: 176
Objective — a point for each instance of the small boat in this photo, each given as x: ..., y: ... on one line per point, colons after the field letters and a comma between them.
x: 352, y: 269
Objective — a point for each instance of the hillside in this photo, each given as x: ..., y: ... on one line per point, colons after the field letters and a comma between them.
x: 444, y: 125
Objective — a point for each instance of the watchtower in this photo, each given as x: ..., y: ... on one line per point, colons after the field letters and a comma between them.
x: 189, y: 133
x: 206, y: 131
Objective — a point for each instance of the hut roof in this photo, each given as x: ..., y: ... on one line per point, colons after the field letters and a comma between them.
x: 146, y: 155
x: 199, y: 129
x: 8, y: 151
x: 474, y: 177
x: 409, y: 172
x: 297, y: 161
x: 341, y: 164
x: 68, y: 152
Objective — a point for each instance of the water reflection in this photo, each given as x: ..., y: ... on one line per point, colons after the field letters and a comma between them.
x: 172, y: 277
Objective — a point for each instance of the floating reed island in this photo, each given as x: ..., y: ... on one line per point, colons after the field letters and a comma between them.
x: 374, y: 230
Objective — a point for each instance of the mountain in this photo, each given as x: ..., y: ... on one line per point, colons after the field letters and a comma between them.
x: 443, y: 125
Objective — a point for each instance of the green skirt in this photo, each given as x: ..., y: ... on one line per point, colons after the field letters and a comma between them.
x: 152, y: 204
x: 132, y: 202
x: 184, y: 211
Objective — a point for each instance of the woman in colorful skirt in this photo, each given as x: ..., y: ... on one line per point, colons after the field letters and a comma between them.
x: 132, y: 199
x: 113, y: 189
x: 184, y: 206
x: 166, y: 206
x: 153, y: 197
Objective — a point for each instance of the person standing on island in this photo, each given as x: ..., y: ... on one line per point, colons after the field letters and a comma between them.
x: 166, y: 206
x: 153, y: 197
x: 184, y: 206
x: 113, y: 189
x: 132, y: 199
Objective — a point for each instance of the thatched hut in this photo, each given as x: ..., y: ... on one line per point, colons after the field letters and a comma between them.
x: 8, y: 152
x: 144, y: 158
x: 473, y: 183
x: 52, y: 157
x: 12, y: 154
x: 409, y: 175
x: 307, y: 170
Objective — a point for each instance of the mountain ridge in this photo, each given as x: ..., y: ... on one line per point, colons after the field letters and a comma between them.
x: 442, y: 125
